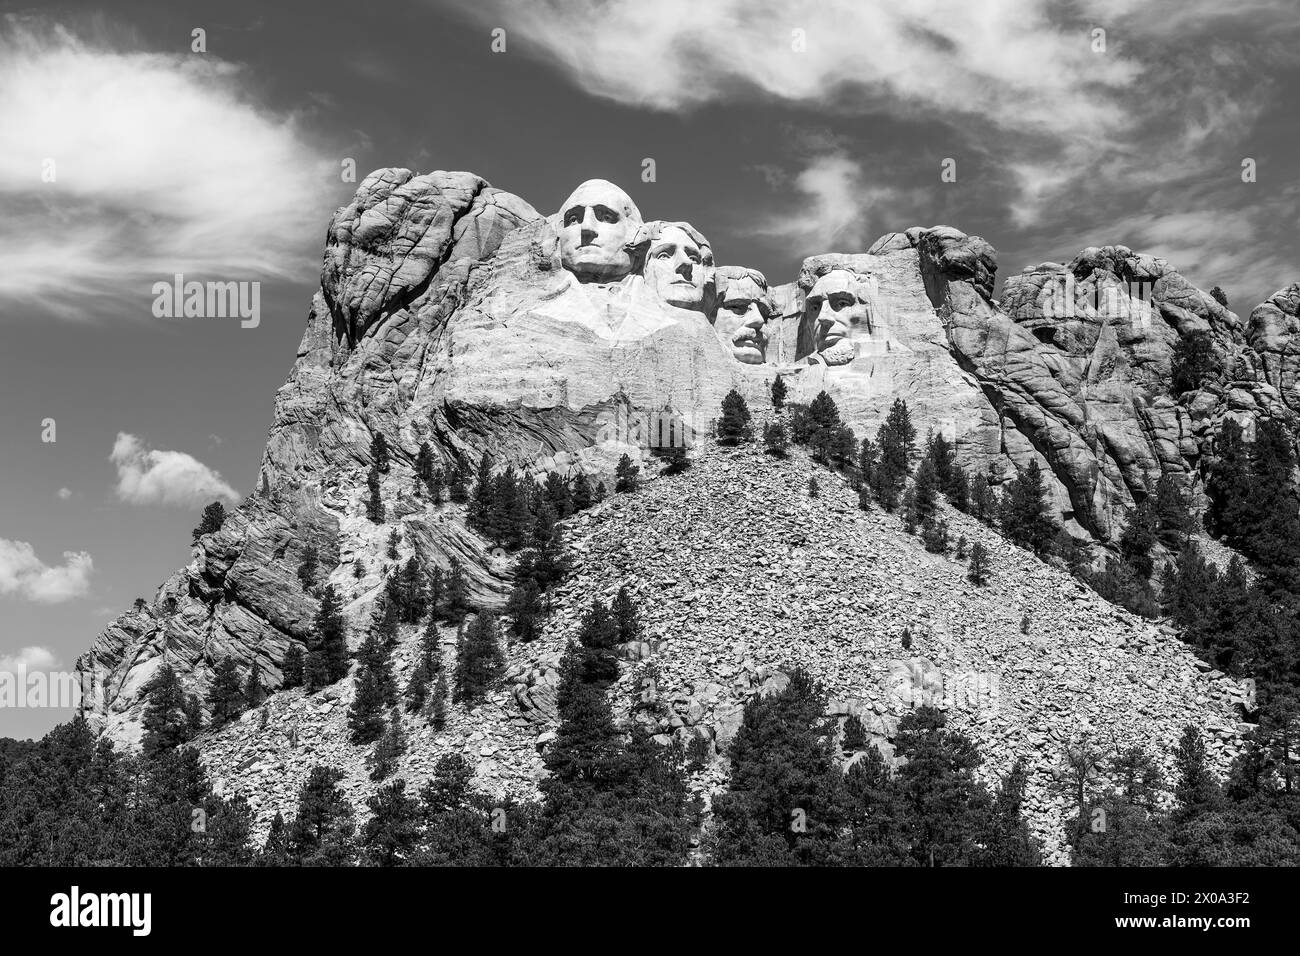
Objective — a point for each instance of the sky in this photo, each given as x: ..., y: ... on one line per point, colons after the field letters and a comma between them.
x: 133, y: 149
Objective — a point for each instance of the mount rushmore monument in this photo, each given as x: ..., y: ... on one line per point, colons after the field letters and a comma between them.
x: 453, y: 313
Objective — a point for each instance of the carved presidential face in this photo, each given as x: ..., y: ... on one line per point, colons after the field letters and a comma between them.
x: 742, y: 315
x: 678, y: 267
x: 840, y: 314
x: 596, y: 224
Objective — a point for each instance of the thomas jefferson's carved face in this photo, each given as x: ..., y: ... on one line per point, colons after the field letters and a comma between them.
x: 678, y: 267
x: 742, y: 314
x: 596, y: 224
x: 840, y: 315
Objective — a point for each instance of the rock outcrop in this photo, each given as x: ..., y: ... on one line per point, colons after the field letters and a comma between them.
x: 454, y: 314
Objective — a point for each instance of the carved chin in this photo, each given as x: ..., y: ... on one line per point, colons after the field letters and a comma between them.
x: 748, y: 354
x: 593, y: 265
x: 841, y: 353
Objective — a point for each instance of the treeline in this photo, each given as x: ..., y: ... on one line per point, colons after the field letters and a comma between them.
x: 1251, y: 819
x: 613, y: 796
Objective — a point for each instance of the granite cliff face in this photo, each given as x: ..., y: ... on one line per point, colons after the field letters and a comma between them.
x: 453, y: 313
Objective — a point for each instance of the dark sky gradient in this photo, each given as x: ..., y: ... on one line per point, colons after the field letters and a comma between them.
x: 416, y: 85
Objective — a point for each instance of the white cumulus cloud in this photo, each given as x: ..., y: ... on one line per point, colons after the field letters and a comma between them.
x: 161, y: 163
x: 148, y: 476
x: 25, y: 575
x: 29, y: 659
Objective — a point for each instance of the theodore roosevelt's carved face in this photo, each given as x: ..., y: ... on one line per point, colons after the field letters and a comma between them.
x: 596, y: 224
x: 743, y: 310
x: 678, y: 266
x: 840, y: 314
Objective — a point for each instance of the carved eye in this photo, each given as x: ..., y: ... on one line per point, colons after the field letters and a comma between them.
x: 841, y: 301
x: 605, y: 214
x: 572, y: 216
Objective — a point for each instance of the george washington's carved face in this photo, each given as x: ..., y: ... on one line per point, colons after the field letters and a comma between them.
x: 742, y: 314
x: 596, y: 224
x: 840, y: 314
x: 678, y: 266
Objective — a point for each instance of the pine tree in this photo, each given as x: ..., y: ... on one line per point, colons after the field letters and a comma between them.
x: 214, y: 516
x: 424, y: 464
x: 598, y: 636
x: 439, y: 710
x: 1139, y: 538
x: 982, y: 503
x: 374, y: 656
x: 525, y: 609
x: 823, y: 413
x: 733, y: 426
x: 978, y: 571
x: 940, y: 455
x: 291, y: 670
x: 934, y: 535
x: 388, y: 749
x: 321, y: 832
x: 479, y: 660
x: 254, y: 692
x: 813, y: 490
x: 436, y: 485
x: 775, y: 441
x: 166, y: 723
x: 1024, y: 513
x: 374, y: 503
x: 888, y: 467
x: 779, y: 393
x: 307, y: 570
x: 457, y: 491
x: 925, y: 489
x: 586, y: 740
x: 784, y: 802
x: 601, y: 491
x: 1173, y: 522
x: 225, y: 697
x: 379, y: 453
x: 359, y: 569
x: 627, y: 622
x: 366, y: 715
x: 390, y: 836
x: 414, y: 603
x: 899, y: 423
x: 582, y: 494
x: 626, y: 475
x: 455, y: 593
x: 327, y: 655
x: 1196, y: 789
x: 855, y: 734
x: 275, y: 849
x: 425, y: 671
x: 479, y: 515
x: 558, y: 495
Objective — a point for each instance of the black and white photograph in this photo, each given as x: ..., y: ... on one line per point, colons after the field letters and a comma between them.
x: 738, y: 436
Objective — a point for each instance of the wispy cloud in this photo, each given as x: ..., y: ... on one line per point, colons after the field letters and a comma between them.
x: 835, y: 208
x: 160, y: 163
x: 151, y: 477
x: 24, y: 575
x: 1074, y: 130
